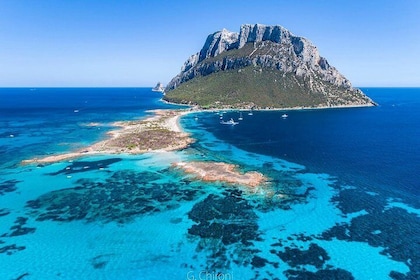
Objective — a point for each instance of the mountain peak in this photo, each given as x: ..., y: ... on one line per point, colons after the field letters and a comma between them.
x: 271, y: 49
x: 250, y: 33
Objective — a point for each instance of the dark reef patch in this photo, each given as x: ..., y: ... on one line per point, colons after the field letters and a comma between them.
x: 302, y: 237
x: 83, y: 166
x: 324, y: 274
x: 393, y: 229
x: 120, y: 198
x: 224, y: 223
x: 4, y: 212
x: 100, y: 261
x: 314, y: 255
x: 8, y: 186
x: 19, y: 228
x: 355, y: 200
x: 11, y: 249
x: 22, y: 276
x: 258, y: 262
x: 227, y: 218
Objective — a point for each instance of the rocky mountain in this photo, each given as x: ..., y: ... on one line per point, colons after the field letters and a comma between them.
x: 261, y: 66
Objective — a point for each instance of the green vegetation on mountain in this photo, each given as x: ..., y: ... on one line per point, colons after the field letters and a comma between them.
x: 261, y: 67
x: 253, y: 87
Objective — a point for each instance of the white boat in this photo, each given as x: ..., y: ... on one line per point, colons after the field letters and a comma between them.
x: 231, y: 122
x: 250, y: 113
x: 284, y: 116
x: 240, y: 117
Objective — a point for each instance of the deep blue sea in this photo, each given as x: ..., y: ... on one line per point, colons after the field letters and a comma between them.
x: 343, y: 200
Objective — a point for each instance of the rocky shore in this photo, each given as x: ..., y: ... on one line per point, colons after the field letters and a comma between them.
x: 220, y: 171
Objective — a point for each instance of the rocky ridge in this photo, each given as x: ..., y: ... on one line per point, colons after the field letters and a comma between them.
x: 272, y: 48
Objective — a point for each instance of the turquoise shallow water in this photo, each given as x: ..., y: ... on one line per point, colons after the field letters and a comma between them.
x: 136, y: 217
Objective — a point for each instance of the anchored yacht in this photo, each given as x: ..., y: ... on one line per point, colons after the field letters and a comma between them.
x: 231, y: 122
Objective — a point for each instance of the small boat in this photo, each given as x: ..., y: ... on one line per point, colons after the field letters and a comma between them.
x: 240, y: 117
x: 76, y: 111
x: 250, y: 113
x: 231, y: 122
x: 284, y: 116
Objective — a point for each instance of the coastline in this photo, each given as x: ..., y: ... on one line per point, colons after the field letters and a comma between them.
x: 319, y: 107
x: 198, y: 108
x: 159, y: 132
x: 220, y: 171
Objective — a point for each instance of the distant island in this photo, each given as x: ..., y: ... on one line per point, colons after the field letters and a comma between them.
x: 159, y: 87
x: 261, y: 67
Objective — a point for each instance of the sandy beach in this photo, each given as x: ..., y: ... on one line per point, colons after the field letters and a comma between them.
x: 160, y: 132
x: 157, y: 133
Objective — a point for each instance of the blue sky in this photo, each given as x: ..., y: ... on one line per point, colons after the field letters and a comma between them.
x: 137, y: 43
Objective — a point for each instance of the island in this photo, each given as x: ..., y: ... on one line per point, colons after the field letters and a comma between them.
x: 159, y: 87
x: 261, y: 67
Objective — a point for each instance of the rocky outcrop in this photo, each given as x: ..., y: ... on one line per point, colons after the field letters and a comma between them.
x: 264, y: 47
x: 159, y: 87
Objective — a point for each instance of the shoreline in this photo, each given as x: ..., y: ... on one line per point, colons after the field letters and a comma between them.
x: 297, y: 108
x: 166, y: 122
x: 210, y: 171
x: 161, y: 132
x: 156, y: 133
x: 318, y: 108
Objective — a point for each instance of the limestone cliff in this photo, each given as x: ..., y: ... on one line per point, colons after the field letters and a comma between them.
x: 265, y: 66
